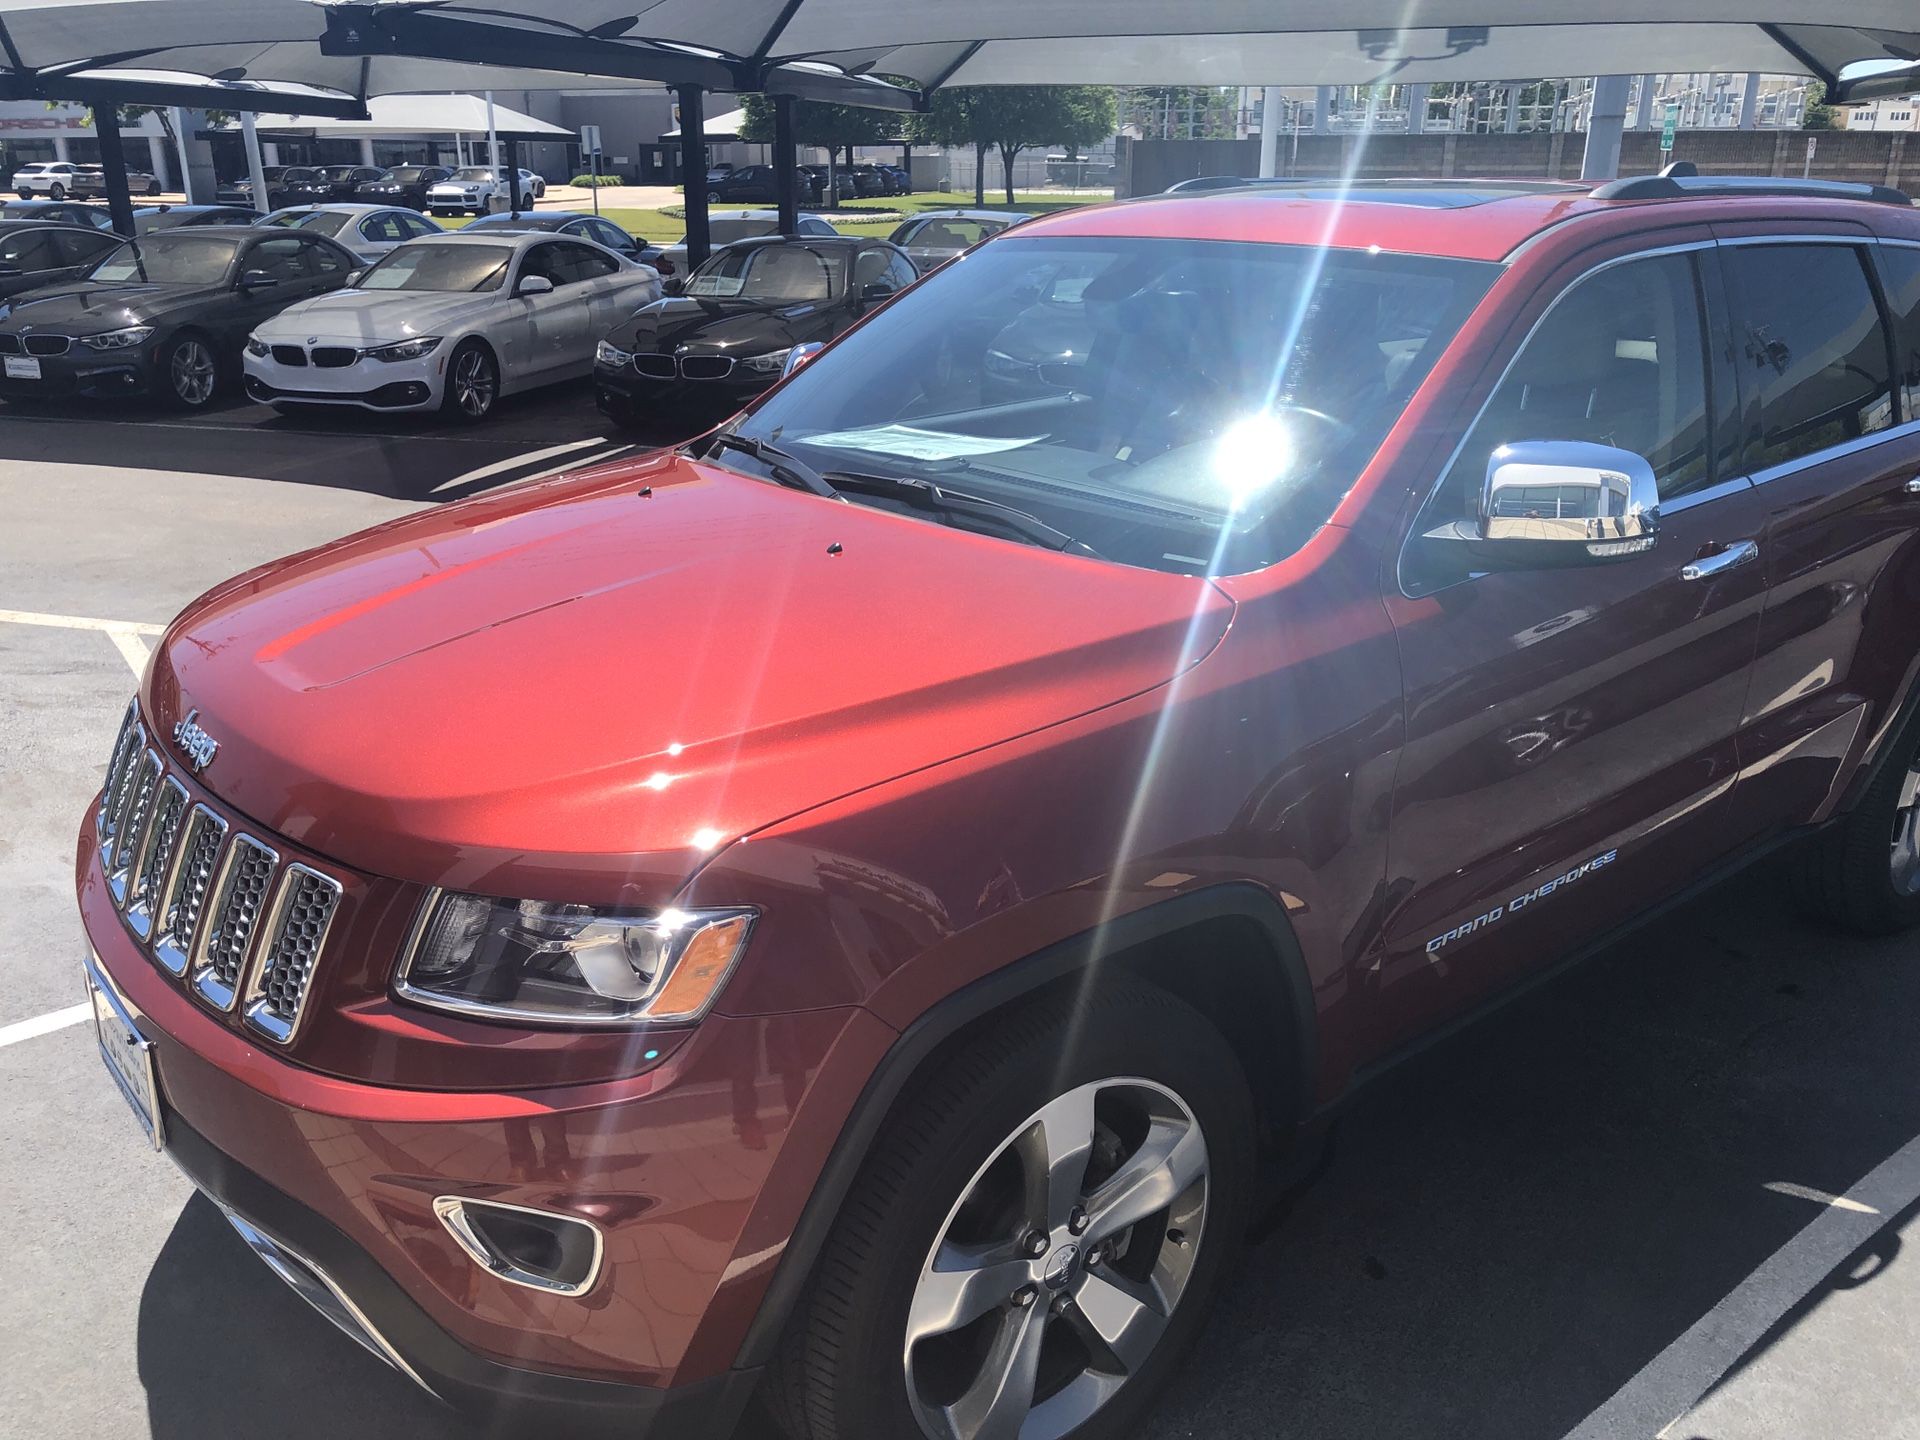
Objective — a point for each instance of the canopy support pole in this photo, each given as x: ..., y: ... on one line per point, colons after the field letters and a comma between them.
x: 513, y: 174
x: 493, y: 137
x: 786, y: 187
x: 693, y: 172
x: 256, y: 167
x: 1605, y: 122
x: 113, y: 162
x: 1272, y: 105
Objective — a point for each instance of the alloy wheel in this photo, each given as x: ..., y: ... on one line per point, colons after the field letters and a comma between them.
x: 474, y: 383
x: 193, y: 372
x: 1905, y: 856
x: 1056, y: 1273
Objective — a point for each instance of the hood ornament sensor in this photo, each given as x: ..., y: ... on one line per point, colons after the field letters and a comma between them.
x: 196, y: 744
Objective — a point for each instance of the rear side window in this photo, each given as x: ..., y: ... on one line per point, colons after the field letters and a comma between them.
x: 1619, y: 360
x: 1811, y: 344
x: 1902, y: 274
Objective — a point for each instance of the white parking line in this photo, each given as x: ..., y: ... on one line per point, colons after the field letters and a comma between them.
x: 500, y: 467
x: 44, y: 1024
x: 125, y: 634
x: 1674, y: 1381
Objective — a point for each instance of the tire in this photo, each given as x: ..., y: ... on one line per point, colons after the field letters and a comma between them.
x: 462, y: 405
x: 25, y: 194
x: 56, y: 191
x: 1862, y: 872
x: 713, y: 197
x: 950, y: 1168
x: 189, y: 369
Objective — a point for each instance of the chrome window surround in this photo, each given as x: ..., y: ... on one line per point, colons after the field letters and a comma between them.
x: 1721, y: 489
x: 257, y: 1003
x: 451, y: 1210
x: 202, y: 977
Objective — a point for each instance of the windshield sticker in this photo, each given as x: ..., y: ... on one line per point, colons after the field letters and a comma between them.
x: 1519, y: 902
x: 917, y: 444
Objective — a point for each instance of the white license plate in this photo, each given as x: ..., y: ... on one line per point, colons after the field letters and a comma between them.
x: 128, y: 1054
x: 23, y: 367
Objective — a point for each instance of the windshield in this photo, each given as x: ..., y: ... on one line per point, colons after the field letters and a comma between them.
x: 169, y: 258
x: 471, y: 173
x: 338, y: 172
x: 427, y: 266
x: 1193, y: 406
x: 773, y: 274
x: 296, y: 173
x: 406, y: 174
x: 725, y: 232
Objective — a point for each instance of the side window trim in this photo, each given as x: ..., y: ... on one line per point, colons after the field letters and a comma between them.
x: 1426, y: 497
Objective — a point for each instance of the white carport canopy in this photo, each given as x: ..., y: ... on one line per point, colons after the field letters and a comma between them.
x: 422, y: 115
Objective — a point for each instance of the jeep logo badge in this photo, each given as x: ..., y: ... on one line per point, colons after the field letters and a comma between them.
x: 196, y: 744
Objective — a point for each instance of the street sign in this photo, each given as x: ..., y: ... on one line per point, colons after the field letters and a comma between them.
x: 1813, y: 142
x: 1666, y: 130
x: 589, y: 139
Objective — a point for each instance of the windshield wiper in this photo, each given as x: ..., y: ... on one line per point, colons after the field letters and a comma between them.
x: 925, y: 495
x: 789, y: 469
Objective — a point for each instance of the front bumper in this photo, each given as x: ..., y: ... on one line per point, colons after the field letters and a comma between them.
x: 695, y: 1171
x: 368, y: 384
x: 96, y: 375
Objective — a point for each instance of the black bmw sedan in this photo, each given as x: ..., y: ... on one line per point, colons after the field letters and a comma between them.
x: 402, y: 185
x: 729, y: 331
x: 163, y: 315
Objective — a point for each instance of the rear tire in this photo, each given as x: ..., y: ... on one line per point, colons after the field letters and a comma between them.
x: 1862, y: 872
x: 56, y: 191
x: 1041, y: 1113
x: 473, y: 383
x: 713, y: 197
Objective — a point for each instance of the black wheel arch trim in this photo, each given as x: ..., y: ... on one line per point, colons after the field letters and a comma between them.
x: 919, y: 1041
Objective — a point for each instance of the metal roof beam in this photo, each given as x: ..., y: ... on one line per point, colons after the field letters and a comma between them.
x: 98, y: 91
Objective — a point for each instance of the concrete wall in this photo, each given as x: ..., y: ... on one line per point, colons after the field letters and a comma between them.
x: 1146, y: 167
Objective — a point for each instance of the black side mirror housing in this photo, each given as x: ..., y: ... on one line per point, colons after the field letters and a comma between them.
x: 258, y: 280
x: 876, y: 291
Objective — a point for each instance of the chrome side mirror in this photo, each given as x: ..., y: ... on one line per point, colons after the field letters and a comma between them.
x: 1567, y: 501
x: 799, y: 355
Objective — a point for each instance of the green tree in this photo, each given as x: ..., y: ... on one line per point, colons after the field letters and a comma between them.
x: 1012, y: 118
x: 1819, y: 114
x: 835, y: 127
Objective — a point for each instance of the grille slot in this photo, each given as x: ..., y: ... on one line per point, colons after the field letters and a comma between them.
x: 133, y: 822
x: 186, y: 894
x: 120, y: 771
x: 656, y: 367
x: 706, y: 367
x: 9, y: 344
x: 49, y: 344
x: 290, y: 355
x: 302, y: 909
x: 240, y: 895
x: 334, y: 357
x: 154, y: 858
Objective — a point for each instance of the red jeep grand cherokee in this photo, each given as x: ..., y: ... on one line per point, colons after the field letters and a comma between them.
x: 861, y: 908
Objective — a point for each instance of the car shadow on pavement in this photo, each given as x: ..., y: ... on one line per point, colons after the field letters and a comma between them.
x: 1512, y: 1224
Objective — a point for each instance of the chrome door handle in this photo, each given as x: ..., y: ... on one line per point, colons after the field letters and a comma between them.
x: 1707, y: 566
x: 1913, y: 486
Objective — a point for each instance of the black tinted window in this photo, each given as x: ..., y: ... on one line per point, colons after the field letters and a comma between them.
x: 1903, y: 298
x: 29, y: 250
x: 280, y: 257
x: 1618, y: 360
x: 1812, y: 344
x: 327, y: 260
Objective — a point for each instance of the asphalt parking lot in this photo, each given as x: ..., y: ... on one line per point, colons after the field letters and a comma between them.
x: 1666, y: 1194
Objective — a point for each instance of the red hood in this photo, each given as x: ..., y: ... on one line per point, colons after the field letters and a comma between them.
x: 575, y: 691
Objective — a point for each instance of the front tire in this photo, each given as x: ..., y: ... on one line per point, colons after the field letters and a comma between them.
x: 1036, y: 1236
x: 473, y: 383
x: 1862, y: 872
x: 190, y: 372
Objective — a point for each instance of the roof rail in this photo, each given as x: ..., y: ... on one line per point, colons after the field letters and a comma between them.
x: 1675, y: 184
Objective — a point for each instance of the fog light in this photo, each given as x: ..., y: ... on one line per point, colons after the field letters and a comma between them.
x: 560, y: 1254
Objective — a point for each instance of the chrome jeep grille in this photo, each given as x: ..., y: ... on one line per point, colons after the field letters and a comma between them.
x: 215, y: 908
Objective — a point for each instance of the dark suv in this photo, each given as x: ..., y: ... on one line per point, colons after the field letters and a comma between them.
x: 862, y: 907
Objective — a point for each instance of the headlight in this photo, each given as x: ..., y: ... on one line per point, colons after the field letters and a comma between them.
x: 605, y: 354
x: 549, y: 964
x: 258, y: 348
x: 404, y: 349
x: 118, y: 339
x: 771, y: 363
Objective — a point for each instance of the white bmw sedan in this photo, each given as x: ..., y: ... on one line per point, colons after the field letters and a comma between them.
x: 369, y: 231
x: 450, y: 322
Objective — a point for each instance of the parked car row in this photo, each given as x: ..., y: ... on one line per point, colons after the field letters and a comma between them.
x: 411, y: 185
x: 377, y: 307
x: 812, y: 183
x: 58, y: 179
